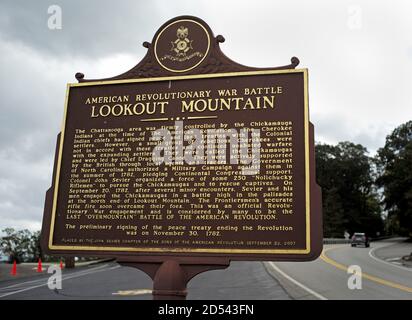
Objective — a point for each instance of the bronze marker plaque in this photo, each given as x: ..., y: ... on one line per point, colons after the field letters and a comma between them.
x: 110, y: 198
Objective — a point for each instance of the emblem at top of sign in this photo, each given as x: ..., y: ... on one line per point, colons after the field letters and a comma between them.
x: 182, y: 45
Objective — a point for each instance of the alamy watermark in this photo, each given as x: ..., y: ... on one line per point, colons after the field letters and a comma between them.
x: 355, y: 278
x: 55, y: 19
x: 210, y: 146
x: 355, y: 17
x: 54, y: 282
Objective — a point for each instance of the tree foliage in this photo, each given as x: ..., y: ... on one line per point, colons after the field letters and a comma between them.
x: 22, y: 245
x: 350, y: 203
x: 394, y: 162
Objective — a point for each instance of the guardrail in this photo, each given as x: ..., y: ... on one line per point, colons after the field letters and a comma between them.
x: 335, y: 241
x: 346, y: 241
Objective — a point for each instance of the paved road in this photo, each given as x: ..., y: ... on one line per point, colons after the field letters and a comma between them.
x: 242, y: 280
x: 327, y: 277
x: 324, y: 278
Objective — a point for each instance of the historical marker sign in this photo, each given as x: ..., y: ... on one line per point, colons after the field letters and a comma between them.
x: 188, y: 154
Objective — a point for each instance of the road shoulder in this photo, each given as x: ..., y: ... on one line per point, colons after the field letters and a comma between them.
x: 295, y: 291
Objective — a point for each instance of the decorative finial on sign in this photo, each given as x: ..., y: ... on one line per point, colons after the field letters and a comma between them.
x: 295, y: 61
x: 220, y: 38
x: 146, y: 44
x: 79, y: 76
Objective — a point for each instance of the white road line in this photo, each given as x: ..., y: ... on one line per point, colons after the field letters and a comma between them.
x: 385, y: 262
x: 21, y: 284
x: 43, y: 278
x: 393, y: 259
x: 71, y: 276
x: 310, y: 291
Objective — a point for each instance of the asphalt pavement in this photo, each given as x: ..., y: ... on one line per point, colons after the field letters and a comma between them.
x: 242, y: 280
x: 325, y: 278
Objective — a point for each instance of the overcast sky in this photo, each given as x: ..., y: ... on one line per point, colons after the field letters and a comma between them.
x: 359, y: 56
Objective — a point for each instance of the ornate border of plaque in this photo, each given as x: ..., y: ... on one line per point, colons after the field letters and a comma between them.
x: 170, y: 249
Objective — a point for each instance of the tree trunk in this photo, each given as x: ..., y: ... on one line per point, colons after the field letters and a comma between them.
x: 69, y: 262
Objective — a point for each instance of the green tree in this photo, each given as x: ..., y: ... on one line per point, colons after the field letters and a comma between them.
x: 350, y: 203
x: 16, y: 244
x: 34, y: 249
x: 394, y: 162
